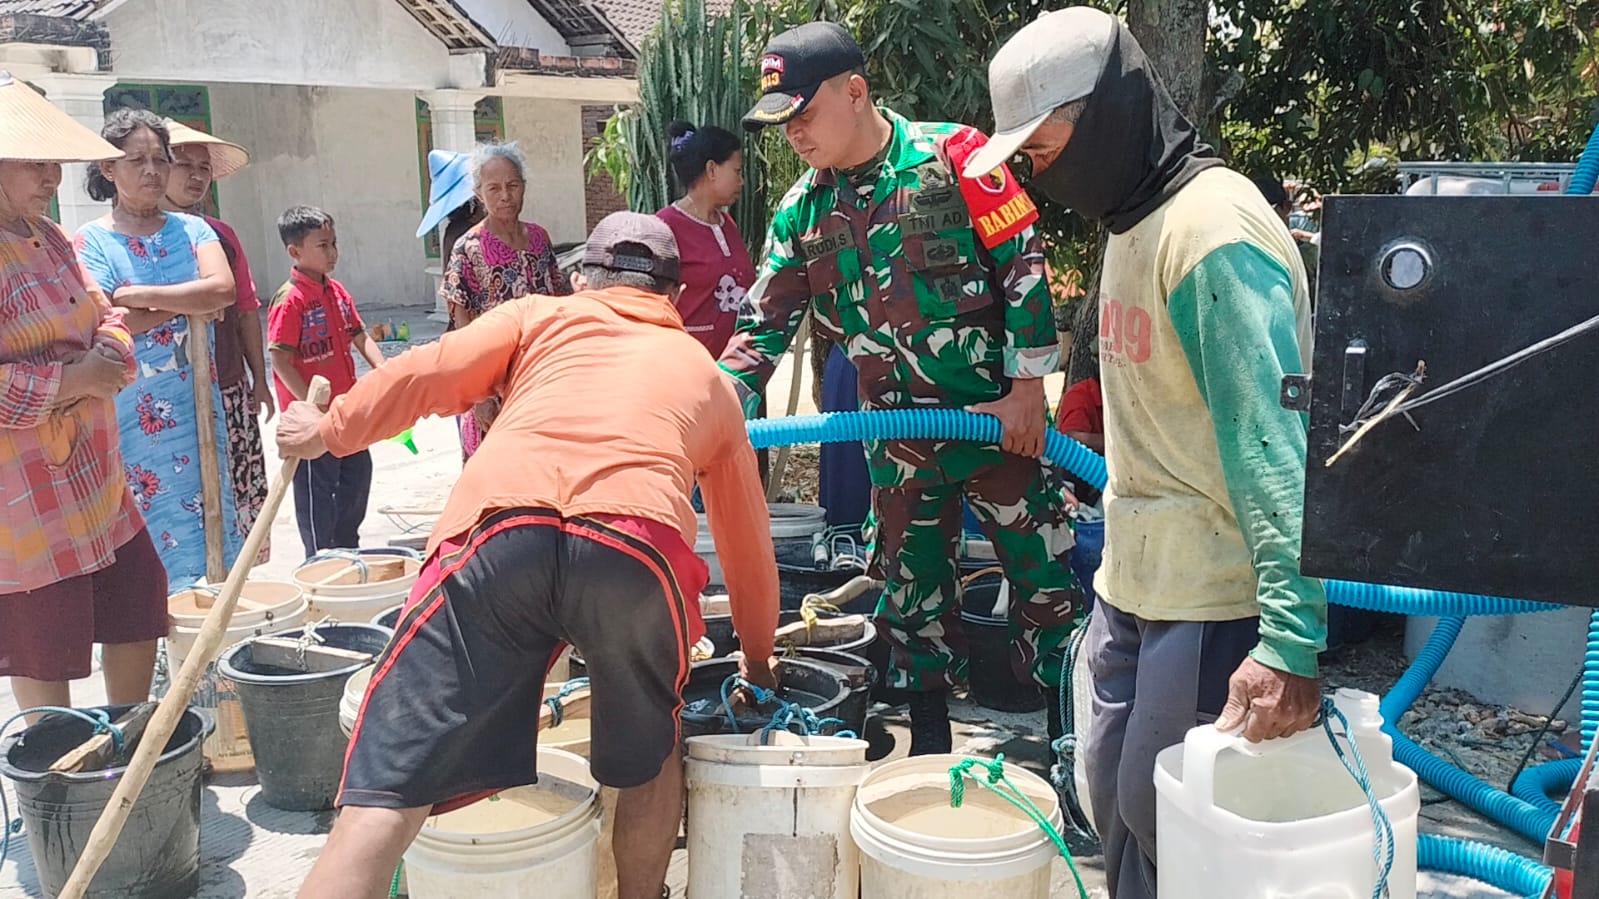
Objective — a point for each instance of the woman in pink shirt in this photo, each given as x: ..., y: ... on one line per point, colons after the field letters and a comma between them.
x: 79, y: 566
x: 717, y: 273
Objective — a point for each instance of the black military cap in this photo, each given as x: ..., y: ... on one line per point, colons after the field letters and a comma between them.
x: 795, y: 64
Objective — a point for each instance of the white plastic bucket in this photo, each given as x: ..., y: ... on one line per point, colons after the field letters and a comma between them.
x: 360, y: 590
x: 354, y: 693
x: 537, y: 842
x: 773, y: 821
x: 915, y: 846
x: 1281, y: 818
x: 264, y: 607
x: 791, y: 523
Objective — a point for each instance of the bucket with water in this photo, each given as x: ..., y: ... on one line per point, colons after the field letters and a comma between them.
x: 294, y: 716
x: 1283, y: 818
x: 537, y: 842
x: 158, y: 854
x: 773, y: 821
x: 915, y: 845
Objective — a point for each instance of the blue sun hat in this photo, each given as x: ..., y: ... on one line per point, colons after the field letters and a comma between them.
x: 452, y: 187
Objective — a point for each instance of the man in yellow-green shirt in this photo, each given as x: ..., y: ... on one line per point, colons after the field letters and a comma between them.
x: 1203, y: 609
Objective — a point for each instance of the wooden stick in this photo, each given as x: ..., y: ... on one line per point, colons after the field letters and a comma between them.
x: 99, y: 751
x: 282, y: 652
x: 210, y: 461
x: 801, y: 338
x: 170, y: 711
x: 378, y: 570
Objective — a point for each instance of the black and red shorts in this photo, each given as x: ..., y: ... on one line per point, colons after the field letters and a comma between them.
x: 452, y: 711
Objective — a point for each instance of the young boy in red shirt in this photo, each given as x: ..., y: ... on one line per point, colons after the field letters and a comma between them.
x: 311, y: 329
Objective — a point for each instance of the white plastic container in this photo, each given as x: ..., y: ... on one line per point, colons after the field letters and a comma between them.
x: 791, y: 523
x: 359, y: 592
x: 265, y: 607
x: 773, y: 821
x: 1082, y: 725
x: 915, y: 846
x: 1281, y: 818
x: 354, y: 693
x: 537, y: 842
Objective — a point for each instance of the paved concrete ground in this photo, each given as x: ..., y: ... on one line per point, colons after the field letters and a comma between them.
x: 249, y: 849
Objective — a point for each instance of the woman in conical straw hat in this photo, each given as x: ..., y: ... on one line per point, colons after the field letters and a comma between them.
x: 81, y: 567
x: 198, y: 161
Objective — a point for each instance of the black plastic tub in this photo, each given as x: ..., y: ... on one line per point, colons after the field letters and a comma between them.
x: 158, y: 854
x: 293, y: 717
x: 817, y: 687
x: 993, y: 681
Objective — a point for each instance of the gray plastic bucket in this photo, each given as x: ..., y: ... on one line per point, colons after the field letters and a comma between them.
x: 158, y: 855
x: 294, y: 718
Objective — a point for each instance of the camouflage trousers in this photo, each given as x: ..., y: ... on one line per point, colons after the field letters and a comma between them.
x: 1021, y: 506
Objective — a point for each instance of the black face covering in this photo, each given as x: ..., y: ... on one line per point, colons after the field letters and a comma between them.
x: 1131, y: 151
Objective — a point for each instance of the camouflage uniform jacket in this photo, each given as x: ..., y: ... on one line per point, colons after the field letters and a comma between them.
x: 894, y: 267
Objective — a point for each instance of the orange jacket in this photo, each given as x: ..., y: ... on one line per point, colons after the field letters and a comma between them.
x: 610, y: 407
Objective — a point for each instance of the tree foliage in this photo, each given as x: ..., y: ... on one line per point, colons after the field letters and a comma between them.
x: 1306, y: 88
x: 1315, y: 84
x: 694, y: 67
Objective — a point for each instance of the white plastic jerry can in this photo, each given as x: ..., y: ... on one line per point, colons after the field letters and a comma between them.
x: 1283, y: 818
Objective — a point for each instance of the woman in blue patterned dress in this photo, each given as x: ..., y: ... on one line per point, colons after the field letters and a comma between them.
x: 162, y: 268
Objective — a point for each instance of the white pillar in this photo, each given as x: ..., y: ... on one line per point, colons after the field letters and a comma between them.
x: 454, y: 114
x: 83, y: 98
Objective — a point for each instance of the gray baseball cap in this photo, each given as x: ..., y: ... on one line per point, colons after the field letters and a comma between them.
x: 633, y: 242
x: 1054, y: 60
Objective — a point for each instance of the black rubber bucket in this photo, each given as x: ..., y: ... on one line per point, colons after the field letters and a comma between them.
x: 993, y: 682
x: 859, y: 676
x: 797, y: 581
x: 389, y: 618
x: 294, y: 717
x: 816, y: 687
x: 158, y: 855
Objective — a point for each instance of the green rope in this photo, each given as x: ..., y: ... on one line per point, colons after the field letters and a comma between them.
x: 394, y: 886
x: 997, y: 783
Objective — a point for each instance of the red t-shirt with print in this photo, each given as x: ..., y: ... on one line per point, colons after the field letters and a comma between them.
x: 717, y: 276
x: 315, y: 320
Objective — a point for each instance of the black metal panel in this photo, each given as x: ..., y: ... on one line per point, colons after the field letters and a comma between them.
x: 1498, y: 491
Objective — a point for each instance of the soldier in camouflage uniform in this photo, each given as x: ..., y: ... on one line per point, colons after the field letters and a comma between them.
x: 931, y: 285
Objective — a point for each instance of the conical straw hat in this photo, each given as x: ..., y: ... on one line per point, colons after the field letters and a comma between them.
x: 36, y: 131
x: 226, y: 157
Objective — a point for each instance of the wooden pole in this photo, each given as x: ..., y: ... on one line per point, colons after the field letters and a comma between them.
x: 774, y: 487
x: 167, y: 715
x: 205, y: 413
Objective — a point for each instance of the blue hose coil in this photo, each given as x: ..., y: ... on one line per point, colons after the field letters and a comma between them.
x: 1525, y: 818
x: 1508, y: 871
x: 1590, y: 682
x: 1537, y: 785
x: 1582, y: 181
x: 1089, y: 467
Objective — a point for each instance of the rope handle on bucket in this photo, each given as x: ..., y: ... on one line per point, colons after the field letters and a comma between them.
x: 557, y: 707
x: 997, y: 783
x: 99, y: 719
x: 1382, y: 850
x: 787, y: 715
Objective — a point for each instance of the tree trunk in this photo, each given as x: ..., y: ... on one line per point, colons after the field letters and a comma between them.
x: 1172, y: 33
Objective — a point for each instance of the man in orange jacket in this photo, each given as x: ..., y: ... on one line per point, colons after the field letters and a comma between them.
x: 571, y: 524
